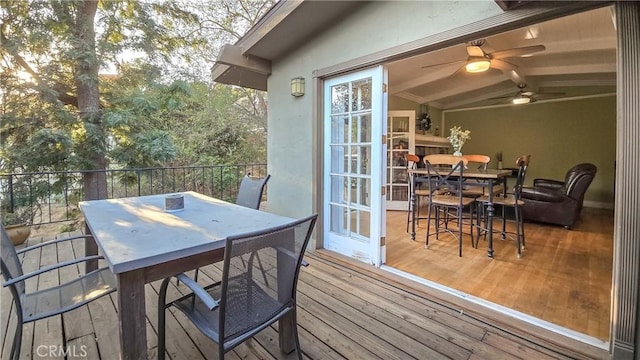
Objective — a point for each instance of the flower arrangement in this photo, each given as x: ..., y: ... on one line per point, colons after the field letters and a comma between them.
x: 457, y: 138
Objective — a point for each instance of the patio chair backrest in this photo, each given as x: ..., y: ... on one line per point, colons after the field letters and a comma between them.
x: 250, y: 192
x: 11, y: 266
x: 259, y: 278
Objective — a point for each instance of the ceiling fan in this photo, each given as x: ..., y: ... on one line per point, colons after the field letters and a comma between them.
x: 479, y: 60
x: 525, y: 97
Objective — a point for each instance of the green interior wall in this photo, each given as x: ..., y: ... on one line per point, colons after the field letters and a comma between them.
x: 557, y: 134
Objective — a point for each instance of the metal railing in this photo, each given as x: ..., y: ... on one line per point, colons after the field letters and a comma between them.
x: 53, y: 196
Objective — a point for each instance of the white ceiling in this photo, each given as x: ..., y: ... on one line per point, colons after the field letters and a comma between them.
x: 579, y: 59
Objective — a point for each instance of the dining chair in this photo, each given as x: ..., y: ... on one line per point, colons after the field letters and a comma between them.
x: 251, y: 295
x: 445, y: 175
x: 511, y: 200
x: 250, y: 191
x: 481, y: 162
x: 50, y: 301
x: 412, y: 162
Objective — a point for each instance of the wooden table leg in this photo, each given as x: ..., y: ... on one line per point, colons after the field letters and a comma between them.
x: 131, y: 316
x: 285, y: 333
x: 287, y: 324
x: 90, y: 248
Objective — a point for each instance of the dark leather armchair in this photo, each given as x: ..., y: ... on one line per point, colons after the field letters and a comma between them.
x: 558, y: 202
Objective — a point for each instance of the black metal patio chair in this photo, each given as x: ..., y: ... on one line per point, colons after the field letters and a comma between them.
x: 252, y: 293
x: 250, y: 192
x: 249, y: 195
x: 55, y: 300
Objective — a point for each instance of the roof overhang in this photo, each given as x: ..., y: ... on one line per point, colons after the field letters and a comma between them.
x: 234, y: 68
x: 285, y: 26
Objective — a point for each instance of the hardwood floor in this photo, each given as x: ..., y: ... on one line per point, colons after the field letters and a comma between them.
x: 564, y: 276
x: 343, y: 313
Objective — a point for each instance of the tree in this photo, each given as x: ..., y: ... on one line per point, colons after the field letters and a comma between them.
x: 58, y: 112
x: 56, y: 46
x: 237, y: 116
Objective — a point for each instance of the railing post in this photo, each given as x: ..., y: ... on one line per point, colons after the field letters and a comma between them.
x: 12, y: 201
x: 138, y: 176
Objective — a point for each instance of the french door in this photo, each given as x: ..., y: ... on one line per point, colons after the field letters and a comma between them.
x: 354, y: 125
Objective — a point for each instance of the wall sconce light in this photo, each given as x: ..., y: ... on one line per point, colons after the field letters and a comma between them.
x: 297, y: 86
x: 477, y: 64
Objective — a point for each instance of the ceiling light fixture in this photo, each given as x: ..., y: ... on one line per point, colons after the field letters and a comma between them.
x: 477, y: 64
x: 521, y: 100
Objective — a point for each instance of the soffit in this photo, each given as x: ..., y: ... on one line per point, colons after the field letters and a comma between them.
x: 287, y: 25
x: 293, y: 26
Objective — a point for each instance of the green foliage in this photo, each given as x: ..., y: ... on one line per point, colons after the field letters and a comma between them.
x: 26, y: 200
x: 154, y: 147
x: 22, y: 215
x: 159, y: 110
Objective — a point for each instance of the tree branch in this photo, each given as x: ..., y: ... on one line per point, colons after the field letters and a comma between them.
x: 61, y: 91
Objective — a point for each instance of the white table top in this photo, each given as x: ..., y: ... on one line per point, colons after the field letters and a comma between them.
x: 136, y: 232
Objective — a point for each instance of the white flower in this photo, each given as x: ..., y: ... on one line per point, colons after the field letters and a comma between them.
x: 458, y: 137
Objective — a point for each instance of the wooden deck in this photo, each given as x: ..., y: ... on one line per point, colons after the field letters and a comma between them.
x: 345, y: 311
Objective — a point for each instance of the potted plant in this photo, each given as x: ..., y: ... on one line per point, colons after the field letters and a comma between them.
x: 18, y: 223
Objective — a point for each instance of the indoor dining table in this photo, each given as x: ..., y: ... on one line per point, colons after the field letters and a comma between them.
x: 485, y: 178
x: 142, y: 243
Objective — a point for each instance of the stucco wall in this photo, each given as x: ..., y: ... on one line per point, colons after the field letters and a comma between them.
x: 379, y: 25
x: 558, y: 135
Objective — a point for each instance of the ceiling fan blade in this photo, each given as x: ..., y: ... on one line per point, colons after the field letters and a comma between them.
x: 502, y: 65
x: 441, y: 64
x: 475, y: 51
x: 517, y: 52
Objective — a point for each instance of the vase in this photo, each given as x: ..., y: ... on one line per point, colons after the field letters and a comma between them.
x: 18, y: 233
x: 457, y: 153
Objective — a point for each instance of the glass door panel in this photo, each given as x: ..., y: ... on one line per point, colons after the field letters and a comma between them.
x: 353, y: 183
x: 400, y: 142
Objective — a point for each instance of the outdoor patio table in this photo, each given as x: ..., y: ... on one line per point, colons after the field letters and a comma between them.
x: 486, y: 178
x: 141, y: 243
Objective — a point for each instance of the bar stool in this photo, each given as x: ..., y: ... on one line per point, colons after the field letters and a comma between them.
x: 511, y: 200
x: 412, y: 161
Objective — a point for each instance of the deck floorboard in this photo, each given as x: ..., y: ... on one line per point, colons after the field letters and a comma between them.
x: 343, y: 313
